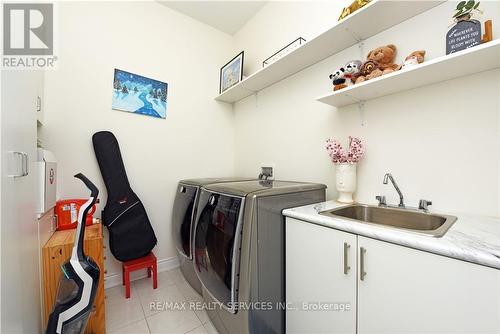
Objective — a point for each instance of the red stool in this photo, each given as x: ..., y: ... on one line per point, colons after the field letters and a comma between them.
x: 148, y: 261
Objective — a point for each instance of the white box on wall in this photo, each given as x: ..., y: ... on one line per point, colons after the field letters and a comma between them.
x: 46, y: 167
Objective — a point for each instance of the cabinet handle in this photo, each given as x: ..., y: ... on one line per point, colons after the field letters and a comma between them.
x: 23, y: 164
x: 26, y: 166
x: 346, y: 265
x: 362, y: 273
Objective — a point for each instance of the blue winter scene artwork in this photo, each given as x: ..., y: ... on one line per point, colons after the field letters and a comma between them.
x: 140, y: 95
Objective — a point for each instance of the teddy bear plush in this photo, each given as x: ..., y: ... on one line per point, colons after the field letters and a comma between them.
x: 415, y: 58
x: 379, y: 61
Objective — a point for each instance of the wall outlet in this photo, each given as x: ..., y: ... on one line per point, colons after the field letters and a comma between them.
x: 268, y: 169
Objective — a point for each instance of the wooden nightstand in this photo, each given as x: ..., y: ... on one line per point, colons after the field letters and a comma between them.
x: 55, y: 252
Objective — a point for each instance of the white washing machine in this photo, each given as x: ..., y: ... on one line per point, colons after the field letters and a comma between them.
x: 183, y: 214
x: 239, y: 249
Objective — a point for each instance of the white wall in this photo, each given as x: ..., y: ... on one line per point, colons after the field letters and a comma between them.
x: 196, y: 138
x: 280, y: 22
x: 441, y: 142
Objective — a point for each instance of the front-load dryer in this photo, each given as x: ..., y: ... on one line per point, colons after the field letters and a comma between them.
x: 183, y: 214
x: 239, y: 248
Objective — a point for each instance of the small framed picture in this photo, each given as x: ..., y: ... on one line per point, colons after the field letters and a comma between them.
x: 231, y: 73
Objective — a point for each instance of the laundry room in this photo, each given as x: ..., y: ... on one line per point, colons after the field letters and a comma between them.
x: 250, y: 167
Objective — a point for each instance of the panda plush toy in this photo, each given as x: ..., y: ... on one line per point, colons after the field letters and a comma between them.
x: 338, y: 79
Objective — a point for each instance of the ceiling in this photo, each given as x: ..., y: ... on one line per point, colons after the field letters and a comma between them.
x: 226, y: 16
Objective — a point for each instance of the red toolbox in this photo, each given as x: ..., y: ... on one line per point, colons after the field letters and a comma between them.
x: 67, y: 211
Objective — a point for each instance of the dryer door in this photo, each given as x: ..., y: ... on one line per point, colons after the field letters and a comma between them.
x: 217, y: 242
x: 182, y: 217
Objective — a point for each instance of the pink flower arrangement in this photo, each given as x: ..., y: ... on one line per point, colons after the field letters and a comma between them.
x: 338, y: 155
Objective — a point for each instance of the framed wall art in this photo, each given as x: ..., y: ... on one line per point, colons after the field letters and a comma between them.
x: 231, y: 73
x: 138, y: 94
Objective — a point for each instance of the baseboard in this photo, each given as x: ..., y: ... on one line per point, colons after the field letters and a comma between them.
x: 163, y: 265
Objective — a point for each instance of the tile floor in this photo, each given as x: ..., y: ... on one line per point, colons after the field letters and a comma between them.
x: 135, y: 316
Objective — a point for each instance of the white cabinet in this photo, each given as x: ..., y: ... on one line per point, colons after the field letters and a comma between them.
x: 20, y: 297
x: 411, y: 291
x: 320, y: 272
x: 391, y: 288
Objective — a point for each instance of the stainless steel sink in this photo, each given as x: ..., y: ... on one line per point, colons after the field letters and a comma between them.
x: 434, y: 225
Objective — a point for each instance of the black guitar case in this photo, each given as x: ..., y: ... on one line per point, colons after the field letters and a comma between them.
x: 131, y: 235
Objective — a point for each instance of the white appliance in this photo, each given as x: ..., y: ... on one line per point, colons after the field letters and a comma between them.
x: 46, y: 167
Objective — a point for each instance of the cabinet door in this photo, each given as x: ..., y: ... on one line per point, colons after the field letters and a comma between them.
x: 315, y: 275
x: 46, y: 228
x: 411, y: 291
x: 55, y: 252
x: 20, y: 283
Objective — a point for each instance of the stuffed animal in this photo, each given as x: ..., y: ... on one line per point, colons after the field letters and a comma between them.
x: 415, y: 58
x: 346, y: 76
x: 351, y: 71
x: 366, y: 71
x: 379, y: 62
x: 384, y: 56
x: 338, y: 79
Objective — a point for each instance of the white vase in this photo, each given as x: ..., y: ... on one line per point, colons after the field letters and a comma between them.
x: 346, y: 182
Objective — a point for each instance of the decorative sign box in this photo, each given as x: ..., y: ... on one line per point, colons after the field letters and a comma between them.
x: 463, y: 35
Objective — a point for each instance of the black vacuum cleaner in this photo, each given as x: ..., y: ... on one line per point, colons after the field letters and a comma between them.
x: 79, y: 279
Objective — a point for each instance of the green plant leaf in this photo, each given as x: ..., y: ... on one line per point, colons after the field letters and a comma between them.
x: 461, y: 5
x: 459, y: 13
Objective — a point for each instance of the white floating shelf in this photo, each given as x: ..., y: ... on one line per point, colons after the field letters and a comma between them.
x: 375, y: 17
x: 470, y: 61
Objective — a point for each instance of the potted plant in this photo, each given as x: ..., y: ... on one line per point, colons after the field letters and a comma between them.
x: 465, y: 9
x: 345, y: 163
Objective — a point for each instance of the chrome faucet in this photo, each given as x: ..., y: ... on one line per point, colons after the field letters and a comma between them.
x: 387, y: 177
x: 381, y: 200
x: 423, y: 205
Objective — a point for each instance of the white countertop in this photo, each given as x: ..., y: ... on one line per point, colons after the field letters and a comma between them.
x: 470, y: 238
